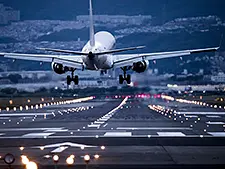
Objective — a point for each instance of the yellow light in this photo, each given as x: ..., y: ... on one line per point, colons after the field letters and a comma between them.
x: 42, y: 148
x: 31, y: 165
x: 72, y: 156
x: 24, y: 160
x: 10, y: 102
x: 96, y: 156
x: 42, y: 99
x: 28, y: 100
x: 21, y: 108
x: 70, y: 161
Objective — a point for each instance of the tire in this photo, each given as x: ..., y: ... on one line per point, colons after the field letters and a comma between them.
x: 121, y: 79
x: 128, y: 79
x: 68, y: 80
x: 76, y: 80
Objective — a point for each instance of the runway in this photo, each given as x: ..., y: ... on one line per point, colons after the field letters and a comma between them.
x: 125, y: 130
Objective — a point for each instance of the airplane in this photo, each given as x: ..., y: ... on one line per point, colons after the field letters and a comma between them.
x: 98, y: 55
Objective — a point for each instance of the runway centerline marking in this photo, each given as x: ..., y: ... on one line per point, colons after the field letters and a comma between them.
x: 171, y: 134
x: 37, y: 135
x: 118, y: 134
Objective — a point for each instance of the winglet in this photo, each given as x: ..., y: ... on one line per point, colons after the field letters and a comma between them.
x: 92, y: 33
x: 221, y: 40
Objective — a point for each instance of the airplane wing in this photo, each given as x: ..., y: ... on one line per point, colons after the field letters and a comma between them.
x: 74, y: 61
x: 121, y: 60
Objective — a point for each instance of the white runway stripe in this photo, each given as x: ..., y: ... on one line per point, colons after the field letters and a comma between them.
x: 118, y: 134
x: 171, y: 134
x: 213, y: 116
x: 1, y: 134
x: 153, y: 128
x: 28, y: 129
x: 94, y: 125
x: 37, y: 135
x: 215, y: 122
x: 99, y: 122
x: 59, y: 149
x: 56, y: 130
x: 24, y: 114
x: 203, y: 113
x: 217, y: 134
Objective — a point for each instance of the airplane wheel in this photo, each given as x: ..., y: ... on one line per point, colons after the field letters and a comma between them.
x: 76, y: 80
x: 68, y: 80
x: 128, y: 79
x: 121, y: 79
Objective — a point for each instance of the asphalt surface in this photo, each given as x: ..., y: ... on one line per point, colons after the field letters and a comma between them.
x: 147, y: 132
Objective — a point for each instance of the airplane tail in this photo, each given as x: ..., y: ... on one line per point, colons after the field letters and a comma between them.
x: 92, y: 33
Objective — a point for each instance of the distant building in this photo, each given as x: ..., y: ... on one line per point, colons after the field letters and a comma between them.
x: 7, y: 15
x: 134, y: 20
x: 220, y: 78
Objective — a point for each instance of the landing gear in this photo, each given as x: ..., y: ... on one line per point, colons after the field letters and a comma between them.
x: 103, y: 72
x: 125, y: 77
x: 73, y: 78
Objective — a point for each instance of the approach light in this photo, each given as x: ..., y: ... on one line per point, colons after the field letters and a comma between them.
x: 31, y: 165
x: 24, y: 160
x: 70, y: 160
x: 55, y: 158
x: 96, y: 156
x: 87, y: 158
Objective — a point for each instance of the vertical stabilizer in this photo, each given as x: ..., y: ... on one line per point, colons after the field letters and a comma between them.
x: 92, y: 32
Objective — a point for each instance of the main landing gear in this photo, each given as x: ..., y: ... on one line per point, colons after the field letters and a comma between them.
x: 125, y: 77
x: 72, y: 78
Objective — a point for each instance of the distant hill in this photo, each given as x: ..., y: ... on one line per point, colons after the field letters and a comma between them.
x: 164, y: 10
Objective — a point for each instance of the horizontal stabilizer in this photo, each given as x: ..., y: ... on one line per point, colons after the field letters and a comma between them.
x: 63, y: 51
x: 99, y: 53
x: 119, y: 50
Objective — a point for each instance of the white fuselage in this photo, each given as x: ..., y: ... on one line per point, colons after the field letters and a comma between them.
x: 104, y: 41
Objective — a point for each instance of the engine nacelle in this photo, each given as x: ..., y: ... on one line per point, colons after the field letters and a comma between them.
x: 58, y: 68
x: 141, y: 66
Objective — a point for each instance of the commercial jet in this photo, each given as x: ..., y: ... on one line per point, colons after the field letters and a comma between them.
x: 98, y: 55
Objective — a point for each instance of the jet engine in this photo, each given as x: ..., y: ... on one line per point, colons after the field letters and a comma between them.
x: 141, y: 66
x: 59, y: 68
